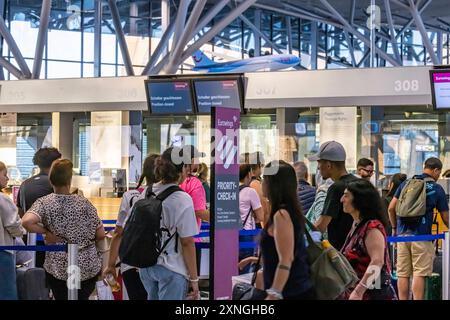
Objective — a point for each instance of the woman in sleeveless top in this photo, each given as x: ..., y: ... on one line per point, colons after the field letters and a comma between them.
x: 365, y: 247
x: 285, y: 267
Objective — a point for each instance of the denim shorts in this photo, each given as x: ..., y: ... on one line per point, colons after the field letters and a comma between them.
x: 163, y: 284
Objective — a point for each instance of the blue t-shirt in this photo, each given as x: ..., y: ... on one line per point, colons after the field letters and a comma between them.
x: 436, y: 199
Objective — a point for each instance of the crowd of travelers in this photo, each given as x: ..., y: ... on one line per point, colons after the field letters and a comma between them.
x: 345, y: 209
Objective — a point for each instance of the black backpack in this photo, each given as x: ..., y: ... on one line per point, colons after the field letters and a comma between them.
x: 141, y: 242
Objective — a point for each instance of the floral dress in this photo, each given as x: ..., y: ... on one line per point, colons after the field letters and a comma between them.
x: 356, y: 253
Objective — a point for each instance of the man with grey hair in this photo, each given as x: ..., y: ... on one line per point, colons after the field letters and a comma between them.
x: 306, y: 192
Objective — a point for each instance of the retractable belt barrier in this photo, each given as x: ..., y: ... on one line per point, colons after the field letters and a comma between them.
x: 426, y: 237
x: 50, y: 248
x: 242, y: 244
x: 73, y: 268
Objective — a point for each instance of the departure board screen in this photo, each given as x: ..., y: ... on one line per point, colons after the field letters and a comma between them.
x: 440, y: 89
x: 217, y: 93
x: 169, y: 97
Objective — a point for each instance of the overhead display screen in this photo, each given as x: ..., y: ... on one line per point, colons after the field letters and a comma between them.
x: 217, y: 93
x: 167, y: 97
x: 440, y: 87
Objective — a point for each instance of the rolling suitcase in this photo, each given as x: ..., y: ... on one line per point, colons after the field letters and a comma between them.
x: 433, y: 287
x: 31, y: 284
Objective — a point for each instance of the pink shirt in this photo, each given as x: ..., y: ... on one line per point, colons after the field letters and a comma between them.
x: 193, y: 187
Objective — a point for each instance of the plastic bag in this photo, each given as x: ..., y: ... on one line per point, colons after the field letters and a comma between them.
x: 104, y: 291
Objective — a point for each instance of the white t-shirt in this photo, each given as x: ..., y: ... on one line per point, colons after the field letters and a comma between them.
x: 178, y: 215
x: 248, y: 199
x: 129, y: 197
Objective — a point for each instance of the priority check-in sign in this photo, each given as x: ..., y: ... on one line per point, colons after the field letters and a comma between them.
x: 225, y: 216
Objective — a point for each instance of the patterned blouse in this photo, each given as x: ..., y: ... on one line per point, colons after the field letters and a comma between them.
x: 74, y: 219
x: 356, y: 253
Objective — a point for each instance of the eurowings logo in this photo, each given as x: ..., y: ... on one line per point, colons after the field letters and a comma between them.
x: 229, y: 84
x: 181, y: 85
x: 227, y: 151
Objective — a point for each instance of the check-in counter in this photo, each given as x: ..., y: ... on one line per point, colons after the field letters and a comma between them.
x: 107, y: 208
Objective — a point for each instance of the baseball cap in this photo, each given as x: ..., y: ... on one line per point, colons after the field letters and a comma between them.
x: 331, y: 151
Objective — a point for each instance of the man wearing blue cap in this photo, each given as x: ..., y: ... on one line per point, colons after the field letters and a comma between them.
x: 331, y: 162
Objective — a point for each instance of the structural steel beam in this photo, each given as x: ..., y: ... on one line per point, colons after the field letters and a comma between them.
x: 134, y: 13
x: 426, y: 41
x: 440, y: 41
x: 401, y: 4
x: 210, y: 34
x: 165, y: 19
x: 184, y: 39
x: 314, y: 47
x: 11, y: 68
x: 257, y: 22
x: 121, y: 37
x: 261, y: 34
x: 387, y: 7
x: 162, y: 45
x: 289, y: 34
x: 98, y: 11
x: 364, y: 58
x: 12, y: 45
x: 301, y: 10
x: 180, y: 21
x: 410, y: 22
x: 352, y: 12
x: 356, y: 33
x: 429, y: 26
x: 297, y: 14
x: 350, y: 48
x: 41, y: 38
x: 213, y: 12
x: 2, y: 13
x: 445, y: 23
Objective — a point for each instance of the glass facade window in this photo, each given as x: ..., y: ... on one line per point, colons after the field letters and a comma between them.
x: 60, y: 69
x: 71, y: 37
x: 21, y: 135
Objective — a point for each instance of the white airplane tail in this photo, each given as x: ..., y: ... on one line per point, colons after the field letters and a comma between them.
x: 201, y: 60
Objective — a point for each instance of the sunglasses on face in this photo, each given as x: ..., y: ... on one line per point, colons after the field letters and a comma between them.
x: 368, y: 171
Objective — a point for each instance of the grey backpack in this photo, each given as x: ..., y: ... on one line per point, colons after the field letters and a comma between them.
x: 412, y: 203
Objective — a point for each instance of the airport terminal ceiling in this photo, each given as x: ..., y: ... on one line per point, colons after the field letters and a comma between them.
x: 433, y: 12
x: 113, y: 38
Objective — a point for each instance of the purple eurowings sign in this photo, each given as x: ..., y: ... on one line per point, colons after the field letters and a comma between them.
x: 227, y: 220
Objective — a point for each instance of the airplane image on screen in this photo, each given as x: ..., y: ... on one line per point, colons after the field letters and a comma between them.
x: 263, y: 63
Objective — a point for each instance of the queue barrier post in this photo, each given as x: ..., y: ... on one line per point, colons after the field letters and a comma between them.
x: 73, y: 272
x: 31, y: 241
x: 445, y: 266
